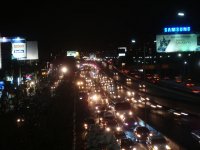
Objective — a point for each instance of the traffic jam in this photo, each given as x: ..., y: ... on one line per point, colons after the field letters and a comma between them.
x: 111, y: 108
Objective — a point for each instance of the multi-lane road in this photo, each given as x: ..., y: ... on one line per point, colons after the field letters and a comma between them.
x: 176, y: 127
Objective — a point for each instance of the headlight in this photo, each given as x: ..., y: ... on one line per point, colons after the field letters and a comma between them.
x: 118, y: 128
x: 85, y: 126
x: 138, y: 135
x: 130, y: 113
x: 151, y: 134
x: 18, y: 120
x: 159, y: 106
x: 121, y: 116
x: 168, y: 147
x: 155, y: 148
x: 108, y: 129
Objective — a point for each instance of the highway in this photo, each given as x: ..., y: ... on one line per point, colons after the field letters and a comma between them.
x: 175, y: 127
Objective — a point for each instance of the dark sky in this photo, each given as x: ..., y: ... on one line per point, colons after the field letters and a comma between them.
x: 93, y: 25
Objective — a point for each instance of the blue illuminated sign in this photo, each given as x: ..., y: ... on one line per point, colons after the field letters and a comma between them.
x: 2, y: 85
x: 177, y: 29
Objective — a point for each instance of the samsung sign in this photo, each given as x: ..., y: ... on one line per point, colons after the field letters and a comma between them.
x: 176, y: 29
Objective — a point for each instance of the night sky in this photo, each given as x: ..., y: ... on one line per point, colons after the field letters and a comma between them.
x: 93, y: 25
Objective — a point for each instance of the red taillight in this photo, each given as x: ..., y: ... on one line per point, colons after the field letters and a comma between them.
x: 189, y: 84
x: 196, y: 91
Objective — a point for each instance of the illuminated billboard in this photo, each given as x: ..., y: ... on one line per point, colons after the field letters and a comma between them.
x: 73, y: 53
x: 18, y: 50
x: 122, y: 51
x: 177, y: 43
x: 121, y: 54
x: 32, y: 51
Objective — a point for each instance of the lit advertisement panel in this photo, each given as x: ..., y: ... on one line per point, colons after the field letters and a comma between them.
x: 73, y: 53
x: 18, y: 50
x: 121, y: 54
x: 177, y: 43
x: 121, y: 51
x: 32, y: 51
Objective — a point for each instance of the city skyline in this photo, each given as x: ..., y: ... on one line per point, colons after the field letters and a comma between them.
x: 96, y: 25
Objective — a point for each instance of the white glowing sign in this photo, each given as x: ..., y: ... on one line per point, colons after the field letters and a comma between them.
x: 177, y: 43
x: 18, y: 50
x: 31, y: 50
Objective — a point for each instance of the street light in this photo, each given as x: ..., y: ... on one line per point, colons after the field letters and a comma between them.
x: 179, y: 55
x: 133, y: 41
x: 181, y: 14
x: 184, y: 69
x: 185, y: 62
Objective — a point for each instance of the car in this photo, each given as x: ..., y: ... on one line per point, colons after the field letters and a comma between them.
x: 100, y: 108
x: 142, y: 87
x: 20, y: 120
x: 119, y: 136
x: 189, y: 83
x: 105, y: 117
x: 131, y: 122
x: 141, y: 133
x: 83, y: 96
x: 123, y: 110
x: 178, y: 113
x: 112, y: 126
x: 88, y: 123
x: 128, y: 81
x: 157, y: 142
x: 127, y: 144
x: 196, y: 134
x: 155, y: 105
